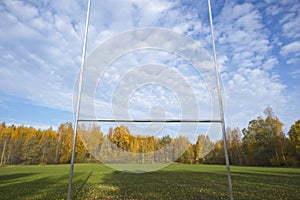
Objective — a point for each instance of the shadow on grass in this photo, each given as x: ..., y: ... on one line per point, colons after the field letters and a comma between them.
x: 177, y: 182
x: 159, y: 185
x: 266, y: 184
x: 14, y: 177
x: 194, y: 185
x: 80, y: 188
x: 36, y: 186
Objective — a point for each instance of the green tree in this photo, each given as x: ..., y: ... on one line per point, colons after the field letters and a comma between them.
x: 294, y: 138
x: 164, y: 150
x: 16, y: 145
x: 105, y: 154
x: 234, y: 146
x: 263, y: 141
x: 31, y: 151
x: 48, y: 146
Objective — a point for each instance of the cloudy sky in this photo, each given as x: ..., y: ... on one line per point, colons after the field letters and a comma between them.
x: 258, y: 48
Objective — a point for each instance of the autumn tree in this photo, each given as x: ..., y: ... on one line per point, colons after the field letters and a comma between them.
x: 92, y: 138
x: 4, y: 140
x: 181, y: 150
x: 188, y: 156
x: 121, y: 137
x: 217, y: 154
x: 48, y: 146
x: 64, y: 145
x: 202, y: 148
x: 263, y: 141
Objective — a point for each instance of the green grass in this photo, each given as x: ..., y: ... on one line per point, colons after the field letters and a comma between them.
x: 177, y: 181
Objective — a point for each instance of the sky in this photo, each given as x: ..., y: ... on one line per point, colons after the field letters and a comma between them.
x: 257, y: 46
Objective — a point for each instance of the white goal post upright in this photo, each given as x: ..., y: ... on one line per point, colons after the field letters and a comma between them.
x: 221, y: 109
x: 78, y: 100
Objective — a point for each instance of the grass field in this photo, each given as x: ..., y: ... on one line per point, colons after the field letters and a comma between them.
x: 177, y: 181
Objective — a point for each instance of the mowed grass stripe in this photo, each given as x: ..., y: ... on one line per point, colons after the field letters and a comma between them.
x: 177, y: 181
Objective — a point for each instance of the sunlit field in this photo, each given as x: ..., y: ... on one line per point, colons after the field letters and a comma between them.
x: 177, y: 181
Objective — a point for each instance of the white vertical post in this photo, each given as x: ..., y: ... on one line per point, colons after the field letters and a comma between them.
x: 220, y: 101
x: 78, y: 100
x: 3, y: 151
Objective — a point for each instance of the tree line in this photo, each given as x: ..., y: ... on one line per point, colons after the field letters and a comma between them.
x: 262, y: 143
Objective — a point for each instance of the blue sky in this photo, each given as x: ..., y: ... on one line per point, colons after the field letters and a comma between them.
x: 258, y: 48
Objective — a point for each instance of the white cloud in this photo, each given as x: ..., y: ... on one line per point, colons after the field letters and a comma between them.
x: 241, y: 35
x: 40, y: 54
x: 291, y: 28
x: 273, y: 10
x: 289, y: 23
x: 249, y: 81
x: 249, y: 92
x: 290, y: 48
x: 119, y: 78
x: 232, y: 11
x: 270, y: 62
x: 295, y: 73
x: 293, y: 61
x: 41, y: 41
x: 22, y: 10
x: 107, y: 19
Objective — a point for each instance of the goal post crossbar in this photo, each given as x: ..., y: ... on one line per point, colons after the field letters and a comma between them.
x: 151, y: 120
